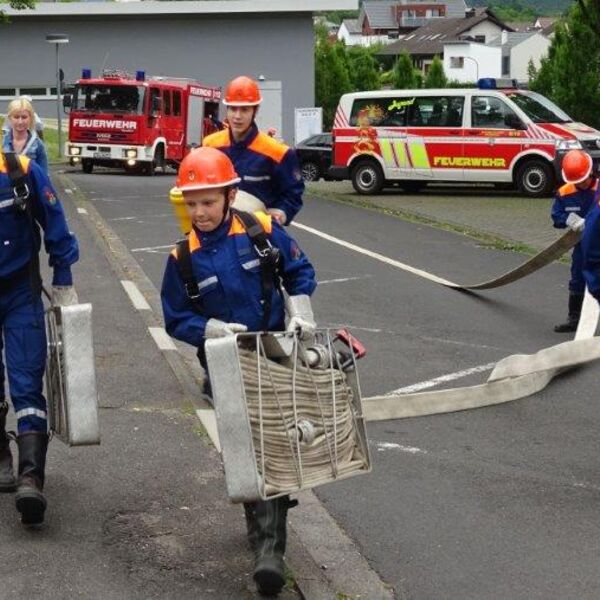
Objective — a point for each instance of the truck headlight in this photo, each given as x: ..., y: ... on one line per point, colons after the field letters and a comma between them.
x: 131, y: 153
x: 568, y: 145
x: 74, y: 150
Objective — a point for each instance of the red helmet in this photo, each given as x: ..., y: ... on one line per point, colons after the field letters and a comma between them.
x: 576, y: 166
x: 206, y: 168
x: 242, y: 91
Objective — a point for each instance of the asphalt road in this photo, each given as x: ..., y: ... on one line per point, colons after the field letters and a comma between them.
x: 493, y: 503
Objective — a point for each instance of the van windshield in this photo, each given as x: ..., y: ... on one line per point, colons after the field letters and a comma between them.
x: 538, y: 108
x: 117, y: 99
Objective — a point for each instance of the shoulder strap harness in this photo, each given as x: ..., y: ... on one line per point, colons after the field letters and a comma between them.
x: 268, y: 257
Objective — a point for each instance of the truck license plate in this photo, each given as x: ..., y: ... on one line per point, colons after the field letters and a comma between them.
x: 101, y: 154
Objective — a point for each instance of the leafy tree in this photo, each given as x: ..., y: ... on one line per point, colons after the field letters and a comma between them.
x: 17, y: 5
x: 364, y: 70
x: 436, y: 78
x: 404, y: 73
x: 570, y: 75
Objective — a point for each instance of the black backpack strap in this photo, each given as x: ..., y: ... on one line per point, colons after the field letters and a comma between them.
x: 268, y: 257
x: 18, y: 180
x: 184, y: 264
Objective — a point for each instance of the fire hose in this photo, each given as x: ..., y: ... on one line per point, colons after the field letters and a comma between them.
x: 515, y: 376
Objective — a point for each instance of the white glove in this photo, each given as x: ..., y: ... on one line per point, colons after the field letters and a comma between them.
x: 300, y: 315
x: 216, y: 328
x: 64, y: 295
x: 575, y: 222
x: 278, y: 215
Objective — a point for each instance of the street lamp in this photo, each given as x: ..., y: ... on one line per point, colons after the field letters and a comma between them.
x: 476, y: 67
x: 58, y: 39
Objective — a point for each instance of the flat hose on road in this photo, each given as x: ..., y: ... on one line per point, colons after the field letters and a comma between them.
x: 515, y: 376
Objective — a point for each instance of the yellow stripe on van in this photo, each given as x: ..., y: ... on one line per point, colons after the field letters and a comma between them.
x: 386, y: 152
x: 418, y: 155
x: 401, y: 154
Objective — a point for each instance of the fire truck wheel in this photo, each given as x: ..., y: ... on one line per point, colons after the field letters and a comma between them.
x: 367, y: 177
x: 87, y: 165
x: 535, y: 178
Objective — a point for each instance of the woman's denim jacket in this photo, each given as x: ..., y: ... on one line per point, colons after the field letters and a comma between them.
x: 34, y: 148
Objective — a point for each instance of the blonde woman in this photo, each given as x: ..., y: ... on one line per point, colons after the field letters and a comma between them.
x: 22, y: 137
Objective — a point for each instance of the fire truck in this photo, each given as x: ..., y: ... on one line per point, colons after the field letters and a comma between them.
x: 136, y: 122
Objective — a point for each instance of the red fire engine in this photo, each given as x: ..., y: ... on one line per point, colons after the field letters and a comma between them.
x: 137, y: 122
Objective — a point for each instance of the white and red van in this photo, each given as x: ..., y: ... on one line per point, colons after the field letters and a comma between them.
x: 137, y: 122
x: 487, y: 134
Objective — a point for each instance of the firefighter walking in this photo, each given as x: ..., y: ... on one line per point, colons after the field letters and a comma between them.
x: 215, y: 285
x: 267, y: 167
x: 571, y: 205
x: 28, y: 202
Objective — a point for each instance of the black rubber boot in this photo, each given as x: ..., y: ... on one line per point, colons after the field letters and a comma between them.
x: 251, y: 524
x: 29, y: 499
x: 575, y: 304
x: 8, y: 482
x: 271, y: 535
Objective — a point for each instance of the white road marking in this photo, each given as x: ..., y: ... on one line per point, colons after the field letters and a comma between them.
x: 352, y: 327
x: 208, y: 418
x: 423, y: 385
x: 153, y: 248
x: 342, y: 279
x: 136, y: 297
x: 161, y: 338
x: 375, y: 255
x: 123, y: 219
x: 383, y: 446
x: 82, y: 211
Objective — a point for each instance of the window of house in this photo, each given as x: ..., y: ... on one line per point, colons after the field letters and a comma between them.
x: 489, y: 112
x: 10, y: 92
x: 506, y: 65
x: 457, y: 62
x: 436, y: 111
x: 479, y: 38
x: 33, y: 91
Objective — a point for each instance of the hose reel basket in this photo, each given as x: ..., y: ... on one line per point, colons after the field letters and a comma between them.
x: 289, y: 414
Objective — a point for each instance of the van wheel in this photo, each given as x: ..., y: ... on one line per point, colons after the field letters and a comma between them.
x: 535, y: 178
x: 367, y: 177
x: 87, y: 166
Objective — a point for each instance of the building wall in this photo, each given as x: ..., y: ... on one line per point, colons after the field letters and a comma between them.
x: 534, y: 47
x: 478, y: 61
x: 212, y: 49
x: 490, y: 30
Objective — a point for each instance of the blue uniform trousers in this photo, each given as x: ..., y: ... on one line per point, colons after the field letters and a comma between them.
x: 24, y: 341
x: 577, y: 281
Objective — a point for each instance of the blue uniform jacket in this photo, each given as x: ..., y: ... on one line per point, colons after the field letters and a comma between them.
x: 590, y: 245
x: 18, y: 240
x: 269, y: 169
x: 569, y: 199
x: 34, y: 148
x: 227, y: 269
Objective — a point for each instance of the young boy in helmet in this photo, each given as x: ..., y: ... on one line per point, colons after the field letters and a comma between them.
x: 267, y: 167
x: 229, y: 285
x: 571, y: 205
x: 25, y: 209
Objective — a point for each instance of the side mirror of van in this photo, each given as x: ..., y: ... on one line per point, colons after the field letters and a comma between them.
x: 513, y: 122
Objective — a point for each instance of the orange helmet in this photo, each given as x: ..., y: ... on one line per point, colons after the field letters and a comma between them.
x: 576, y: 166
x: 206, y: 168
x: 242, y: 91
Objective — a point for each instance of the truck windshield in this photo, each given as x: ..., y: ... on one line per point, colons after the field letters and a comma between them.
x: 118, y: 99
x: 538, y: 108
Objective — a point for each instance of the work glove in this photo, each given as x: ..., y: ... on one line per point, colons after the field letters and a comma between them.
x: 575, y: 222
x: 216, y: 328
x: 300, y: 315
x: 64, y: 295
x: 278, y: 215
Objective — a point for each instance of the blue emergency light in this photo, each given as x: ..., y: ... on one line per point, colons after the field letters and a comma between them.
x: 86, y: 73
x: 491, y: 83
x: 140, y: 75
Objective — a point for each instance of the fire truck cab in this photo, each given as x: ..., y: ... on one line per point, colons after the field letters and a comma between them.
x: 496, y: 133
x: 136, y: 122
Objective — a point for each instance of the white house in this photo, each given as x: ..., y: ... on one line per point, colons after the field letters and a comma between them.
x: 351, y: 34
x: 518, y: 48
x: 466, y: 61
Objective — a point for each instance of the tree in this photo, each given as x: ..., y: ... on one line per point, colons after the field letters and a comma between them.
x: 404, y: 73
x: 570, y: 75
x: 17, y: 5
x: 436, y: 78
x: 364, y: 70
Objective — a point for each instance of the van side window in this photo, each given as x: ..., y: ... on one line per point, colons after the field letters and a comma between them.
x: 380, y: 112
x: 436, y: 111
x: 490, y: 112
